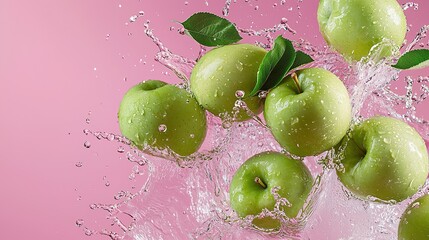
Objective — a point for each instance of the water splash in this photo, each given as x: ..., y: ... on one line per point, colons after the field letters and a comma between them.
x: 192, y: 201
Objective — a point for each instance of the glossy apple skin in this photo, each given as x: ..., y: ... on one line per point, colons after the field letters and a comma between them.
x: 218, y: 75
x: 384, y: 158
x: 313, y: 121
x: 149, y: 105
x: 353, y: 27
x: 414, y: 223
x: 275, y: 170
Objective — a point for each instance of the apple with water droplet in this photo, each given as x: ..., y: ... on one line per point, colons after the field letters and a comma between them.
x: 309, y: 112
x: 353, y: 27
x: 414, y: 223
x: 251, y: 188
x: 161, y: 115
x: 223, y: 71
x: 385, y: 158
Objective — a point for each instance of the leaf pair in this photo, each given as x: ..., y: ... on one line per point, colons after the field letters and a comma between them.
x: 277, y: 63
x: 211, y: 30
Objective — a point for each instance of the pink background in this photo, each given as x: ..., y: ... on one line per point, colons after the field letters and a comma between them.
x: 57, y: 68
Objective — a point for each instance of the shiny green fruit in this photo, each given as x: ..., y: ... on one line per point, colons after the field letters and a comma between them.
x: 384, y: 158
x: 160, y: 115
x: 249, y: 196
x: 312, y: 119
x: 414, y: 223
x: 353, y: 27
x: 220, y: 73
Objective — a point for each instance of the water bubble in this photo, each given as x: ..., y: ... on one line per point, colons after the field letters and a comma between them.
x: 162, y: 128
x: 283, y: 21
x: 86, y: 131
x: 192, y: 135
x: 182, y: 31
x: 87, y: 144
x: 79, y: 164
x: 141, y: 13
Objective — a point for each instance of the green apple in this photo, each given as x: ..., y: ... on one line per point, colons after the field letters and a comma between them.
x: 220, y: 73
x: 252, y: 185
x: 385, y: 158
x: 414, y: 223
x: 309, y: 112
x: 353, y: 27
x: 154, y: 113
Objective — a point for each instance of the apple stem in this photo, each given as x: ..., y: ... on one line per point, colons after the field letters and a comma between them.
x: 260, y: 182
x: 295, y: 79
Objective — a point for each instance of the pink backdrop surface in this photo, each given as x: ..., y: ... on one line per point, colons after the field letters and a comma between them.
x: 62, y: 62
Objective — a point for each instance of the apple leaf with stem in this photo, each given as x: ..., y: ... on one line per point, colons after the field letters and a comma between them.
x: 275, y: 65
x: 211, y: 30
x: 413, y: 60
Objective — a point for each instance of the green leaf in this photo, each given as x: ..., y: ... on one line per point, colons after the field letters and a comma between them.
x: 301, y: 59
x: 413, y: 60
x: 210, y: 30
x: 275, y: 65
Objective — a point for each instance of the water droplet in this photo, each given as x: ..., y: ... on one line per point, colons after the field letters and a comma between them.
x: 133, y: 18
x: 239, y: 94
x: 239, y: 66
x: 141, y: 13
x: 79, y: 222
x: 86, y: 131
x: 121, y: 149
x: 79, y: 164
x: 262, y: 94
x: 110, y: 137
x: 87, y: 144
x: 162, y: 128
x: 283, y: 21
x: 192, y: 135
x: 415, y: 205
x: 88, y: 232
